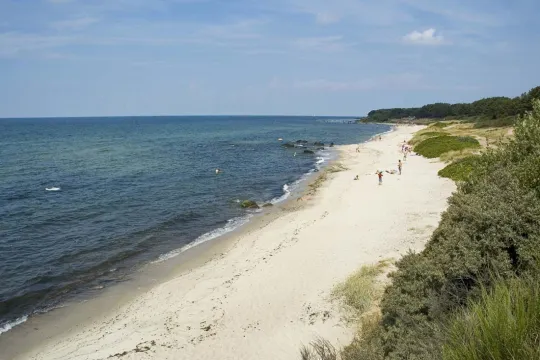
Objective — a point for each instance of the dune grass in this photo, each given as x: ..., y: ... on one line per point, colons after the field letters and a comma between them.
x: 359, y: 291
x: 358, y: 294
x: 503, y: 324
x: 436, y: 146
x: 319, y: 349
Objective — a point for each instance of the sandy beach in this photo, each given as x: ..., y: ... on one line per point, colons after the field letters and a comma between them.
x: 268, y: 293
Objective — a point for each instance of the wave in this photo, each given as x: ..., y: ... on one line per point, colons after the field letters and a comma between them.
x: 52, y: 189
x: 10, y: 325
x: 235, y: 223
x: 231, y: 225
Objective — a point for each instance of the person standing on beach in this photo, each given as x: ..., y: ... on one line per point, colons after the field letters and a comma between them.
x: 399, y: 165
x: 380, y: 174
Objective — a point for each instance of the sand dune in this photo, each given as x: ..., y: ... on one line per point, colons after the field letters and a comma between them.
x: 269, y: 293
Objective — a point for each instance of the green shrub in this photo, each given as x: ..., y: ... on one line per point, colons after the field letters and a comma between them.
x: 503, y: 324
x: 460, y: 169
x: 434, y: 147
x: 491, y: 123
x: 367, y: 344
x: 492, y: 226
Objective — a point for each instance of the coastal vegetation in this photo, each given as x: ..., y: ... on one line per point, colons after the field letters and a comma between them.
x: 460, y: 169
x: 504, y: 323
x: 488, y: 112
x: 473, y: 292
x: 360, y: 290
x: 358, y: 294
x: 436, y: 146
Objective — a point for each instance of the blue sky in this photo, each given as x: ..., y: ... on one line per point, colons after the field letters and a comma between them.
x: 338, y: 57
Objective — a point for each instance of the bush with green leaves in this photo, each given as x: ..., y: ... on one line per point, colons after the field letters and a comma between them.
x: 492, y: 226
x: 459, y: 297
x: 436, y: 146
x: 460, y: 169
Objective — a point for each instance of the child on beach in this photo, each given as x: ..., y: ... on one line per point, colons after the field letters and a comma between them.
x: 380, y: 174
x: 399, y: 165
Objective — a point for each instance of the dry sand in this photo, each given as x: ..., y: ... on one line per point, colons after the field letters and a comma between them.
x: 269, y: 293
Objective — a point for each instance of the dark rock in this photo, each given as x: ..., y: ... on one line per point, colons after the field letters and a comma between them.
x: 288, y: 145
x: 331, y: 144
x: 249, y: 204
x: 318, y: 143
x: 309, y: 151
x: 267, y: 205
x: 301, y: 141
x: 320, y: 148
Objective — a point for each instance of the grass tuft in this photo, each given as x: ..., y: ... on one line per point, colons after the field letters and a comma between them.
x: 503, y: 324
x: 320, y: 349
x: 359, y: 290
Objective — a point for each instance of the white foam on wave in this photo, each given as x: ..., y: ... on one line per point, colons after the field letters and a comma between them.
x: 52, y: 189
x: 6, y: 327
x: 231, y: 225
x: 286, y: 194
x: 234, y: 223
x: 288, y: 188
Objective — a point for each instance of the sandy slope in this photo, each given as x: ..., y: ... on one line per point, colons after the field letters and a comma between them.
x: 268, y: 295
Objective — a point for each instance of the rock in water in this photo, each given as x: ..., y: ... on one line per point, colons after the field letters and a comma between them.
x: 301, y: 141
x: 249, y: 204
x: 309, y: 151
x: 268, y: 205
x: 318, y: 143
x: 288, y: 145
x: 331, y: 144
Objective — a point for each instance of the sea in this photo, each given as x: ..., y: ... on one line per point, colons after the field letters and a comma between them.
x: 84, y: 202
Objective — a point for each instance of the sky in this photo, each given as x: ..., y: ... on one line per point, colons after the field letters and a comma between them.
x: 260, y: 57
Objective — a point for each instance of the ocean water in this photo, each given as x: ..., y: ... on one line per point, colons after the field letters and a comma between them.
x: 85, y: 201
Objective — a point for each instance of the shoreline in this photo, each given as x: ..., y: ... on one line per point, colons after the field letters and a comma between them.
x: 210, y: 236
x: 164, y: 267
x: 232, y: 246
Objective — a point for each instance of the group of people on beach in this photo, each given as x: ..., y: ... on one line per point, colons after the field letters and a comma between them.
x: 405, y: 149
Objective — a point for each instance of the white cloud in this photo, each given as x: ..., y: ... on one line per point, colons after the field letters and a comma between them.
x: 426, y: 37
x: 74, y: 24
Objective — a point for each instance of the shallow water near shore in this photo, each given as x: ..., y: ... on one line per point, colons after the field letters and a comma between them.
x: 85, y: 202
